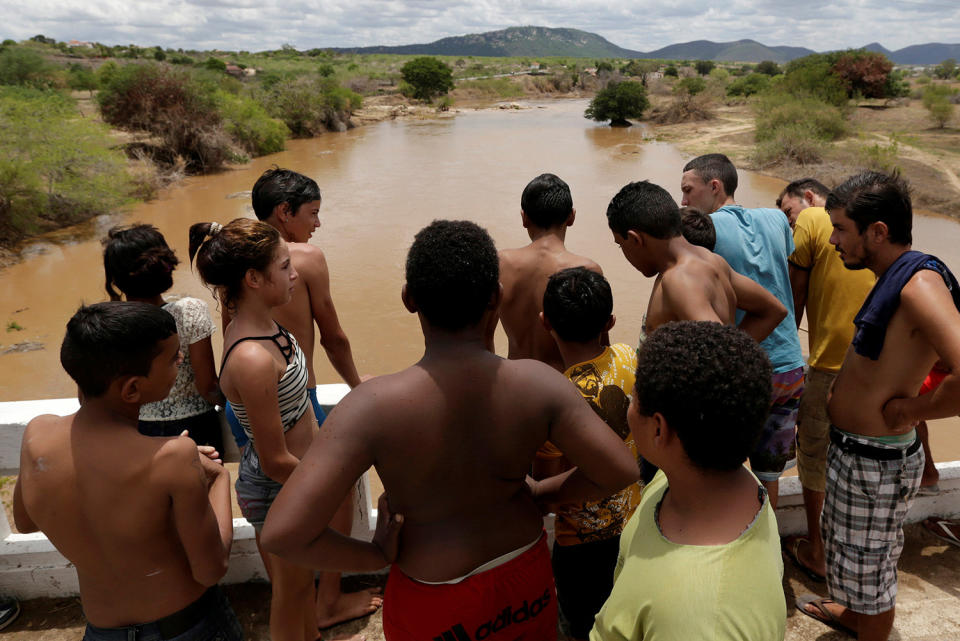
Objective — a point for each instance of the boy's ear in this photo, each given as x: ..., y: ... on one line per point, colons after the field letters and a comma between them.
x: 281, y: 212
x: 546, y: 323
x: 610, y: 323
x: 130, y: 389
x: 524, y: 219
x: 572, y: 217
x: 634, y: 236
x: 408, y: 301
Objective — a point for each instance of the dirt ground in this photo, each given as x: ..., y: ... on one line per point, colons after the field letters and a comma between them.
x: 928, y: 605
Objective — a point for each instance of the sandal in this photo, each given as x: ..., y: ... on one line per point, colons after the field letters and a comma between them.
x: 791, y: 549
x: 939, y: 528
x: 825, y: 616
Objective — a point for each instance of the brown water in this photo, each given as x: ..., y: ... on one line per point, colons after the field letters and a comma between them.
x: 381, y: 184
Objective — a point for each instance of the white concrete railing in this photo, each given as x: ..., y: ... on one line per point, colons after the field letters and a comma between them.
x: 31, y: 567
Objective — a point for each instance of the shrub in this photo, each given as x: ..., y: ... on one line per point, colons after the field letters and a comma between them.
x: 684, y: 108
x: 796, y: 142
x: 691, y: 86
x: 776, y: 111
x: 704, y: 67
x: 79, y: 78
x: 53, y: 164
x: 310, y: 105
x: 214, y: 64
x: 250, y: 125
x: 936, y: 100
x: 428, y: 76
x: 671, y: 71
x: 946, y: 70
x: 768, y: 68
x: 748, y: 85
x: 25, y: 67
x: 618, y: 102
x: 503, y: 88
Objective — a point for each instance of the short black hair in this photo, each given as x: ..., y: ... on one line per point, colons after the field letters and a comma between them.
x: 798, y: 187
x: 108, y: 340
x: 277, y: 186
x: 452, y: 273
x: 546, y: 201
x: 715, y: 166
x: 712, y: 384
x: 870, y: 197
x: 698, y: 227
x: 644, y: 207
x: 577, y: 303
x: 138, y: 261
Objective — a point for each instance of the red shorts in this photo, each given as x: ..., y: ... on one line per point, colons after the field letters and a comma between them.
x: 933, y: 380
x: 516, y: 600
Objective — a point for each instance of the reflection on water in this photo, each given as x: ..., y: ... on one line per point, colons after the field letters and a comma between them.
x: 380, y: 185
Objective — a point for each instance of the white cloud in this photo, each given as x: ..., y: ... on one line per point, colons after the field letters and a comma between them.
x: 642, y: 25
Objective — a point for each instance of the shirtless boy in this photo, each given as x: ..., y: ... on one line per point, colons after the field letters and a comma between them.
x: 546, y: 209
x: 452, y: 438
x: 692, y: 282
x: 290, y: 202
x: 874, y: 463
x: 149, y: 569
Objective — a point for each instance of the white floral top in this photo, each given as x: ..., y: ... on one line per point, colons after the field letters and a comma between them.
x: 193, y: 324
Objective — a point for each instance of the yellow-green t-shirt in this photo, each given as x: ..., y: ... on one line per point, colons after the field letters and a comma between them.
x: 665, y: 591
x: 605, y: 383
x: 834, y: 293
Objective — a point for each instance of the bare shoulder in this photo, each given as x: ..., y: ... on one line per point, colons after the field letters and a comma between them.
x: 379, y: 401
x: 41, y: 430
x: 534, y: 380
x: 923, y: 285
x: 583, y: 261
x: 307, y: 259
x: 175, y: 458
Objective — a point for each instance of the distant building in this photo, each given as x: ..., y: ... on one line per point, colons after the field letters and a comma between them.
x: 234, y: 70
x: 80, y: 43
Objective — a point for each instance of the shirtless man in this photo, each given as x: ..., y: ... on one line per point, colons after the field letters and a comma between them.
x: 874, y: 463
x: 452, y: 438
x: 150, y: 568
x: 692, y: 282
x: 290, y: 202
x: 546, y: 209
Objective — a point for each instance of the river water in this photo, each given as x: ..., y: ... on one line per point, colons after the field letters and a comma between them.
x: 381, y: 184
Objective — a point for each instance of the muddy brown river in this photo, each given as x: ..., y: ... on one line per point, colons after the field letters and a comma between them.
x: 381, y: 184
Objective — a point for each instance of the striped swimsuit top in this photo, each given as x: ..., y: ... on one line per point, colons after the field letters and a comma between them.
x: 292, y: 386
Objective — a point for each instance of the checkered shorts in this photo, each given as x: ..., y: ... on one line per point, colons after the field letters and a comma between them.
x: 862, y: 524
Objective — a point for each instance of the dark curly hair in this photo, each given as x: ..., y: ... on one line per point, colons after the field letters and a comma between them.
x: 138, y: 261
x: 644, y: 206
x: 870, y: 197
x: 546, y: 201
x: 452, y: 273
x: 577, y: 303
x: 224, y: 255
x: 712, y: 384
x: 277, y: 186
x: 698, y: 227
x: 109, y: 340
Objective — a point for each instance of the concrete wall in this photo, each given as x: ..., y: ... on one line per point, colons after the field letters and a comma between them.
x: 31, y: 567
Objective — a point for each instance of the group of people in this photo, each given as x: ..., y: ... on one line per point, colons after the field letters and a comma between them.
x: 661, y: 532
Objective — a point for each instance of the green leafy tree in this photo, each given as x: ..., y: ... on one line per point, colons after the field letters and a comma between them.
x: 25, y: 67
x: 428, y: 77
x: 749, y: 85
x: 768, y: 67
x: 671, y: 71
x: 159, y: 54
x: 214, y: 64
x: 618, y: 102
x: 937, y: 101
x: 640, y: 69
x: 691, y: 86
x: 604, y: 65
x: 704, y: 67
x: 80, y: 78
x: 946, y: 70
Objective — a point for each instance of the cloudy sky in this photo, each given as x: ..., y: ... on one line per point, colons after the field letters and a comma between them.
x: 642, y: 25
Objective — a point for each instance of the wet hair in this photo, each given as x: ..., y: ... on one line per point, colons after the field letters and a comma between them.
x: 698, y: 227
x: 546, y: 201
x: 712, y: 384
x: 138, y: 261
x: 108, y: 340
x: 278, y: 186
x: 452, y: 273
x: 577, y: 303
x: 224, y: 254
x: 871, y: 197
x: 644, y: 207
x: 715, y: 166
x: 797, y: 188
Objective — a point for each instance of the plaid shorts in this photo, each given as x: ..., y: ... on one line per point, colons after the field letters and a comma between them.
x: 776, y: 450
x: 862, y: 524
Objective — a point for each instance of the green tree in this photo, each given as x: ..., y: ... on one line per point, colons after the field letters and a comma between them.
x: 946, y: 70
x: 768, y: 67
x: 618, y: 102
x: 748, y: 85
x: 640, y: 69
x: 80, y: 78
x: 159, y: 54
x: 691, y: 86
x: 704, y: 67
x: 671, y: 70
x: 214, y: 64
x: 428, y: 77
x: 25, y: 67
x: 604, y: 65
x: 936, y: 100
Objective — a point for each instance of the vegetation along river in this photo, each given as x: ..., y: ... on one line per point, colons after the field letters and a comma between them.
x: 380, y: 185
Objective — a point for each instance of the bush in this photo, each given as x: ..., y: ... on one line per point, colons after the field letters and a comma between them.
x: 171, y: 104
x: 54, y: 166
x: 684, y: 108
x: 768, y: 68
x: 502, y: 88
x: 936, y: 100
x: 704, y: 67
x: 776, y: 111
x: 310, y: 105
x: 671, y: 71
x: 691, y: 86
x: 946, y: 70
x: 250, y: 125
x: 796, y: 142
x: 79, y: 78
x: 214, y: 64
x: 25, y: 67
x: 428, y: 76
x: 748, y: 85
x: 618, y: 102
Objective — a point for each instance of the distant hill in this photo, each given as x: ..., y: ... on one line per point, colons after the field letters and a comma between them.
x: 739, y: 51
x: 545, y: 41
x: 515, y: 41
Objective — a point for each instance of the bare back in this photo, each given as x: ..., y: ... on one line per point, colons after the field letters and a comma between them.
x: 297, y: 315
x: 101, y: 495
x: 697, y: 287
x: 524, y: 273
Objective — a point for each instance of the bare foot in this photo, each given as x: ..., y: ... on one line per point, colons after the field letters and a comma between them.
x: 349, y: 606
x: 354, y: 637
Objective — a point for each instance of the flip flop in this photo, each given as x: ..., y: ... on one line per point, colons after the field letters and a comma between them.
x: 792, y: 553
x: 825, y: 617
x: 938, y: 528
